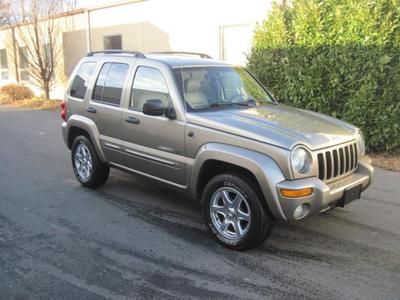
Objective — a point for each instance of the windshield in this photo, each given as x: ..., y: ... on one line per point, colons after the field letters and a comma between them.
x: 210, y: 87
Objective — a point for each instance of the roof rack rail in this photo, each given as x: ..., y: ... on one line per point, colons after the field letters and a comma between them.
x: 135, y: 53
x: 201, y: 55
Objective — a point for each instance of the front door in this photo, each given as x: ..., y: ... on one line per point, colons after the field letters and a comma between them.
x: 154, y: 145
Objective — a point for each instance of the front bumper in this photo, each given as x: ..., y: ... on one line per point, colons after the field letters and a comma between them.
x: 325, y: 196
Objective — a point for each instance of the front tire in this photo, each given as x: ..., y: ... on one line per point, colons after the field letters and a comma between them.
x: 234, y: 213
x: 90, y: 171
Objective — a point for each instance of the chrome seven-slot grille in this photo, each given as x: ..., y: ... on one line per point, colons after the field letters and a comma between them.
x: 337, y: 162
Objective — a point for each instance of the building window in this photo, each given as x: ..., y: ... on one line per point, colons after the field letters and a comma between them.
x: 47, y: 54
x: 113, y: 42
x: 3, y: 64
x: 48, y: 60
x: 23, y: 63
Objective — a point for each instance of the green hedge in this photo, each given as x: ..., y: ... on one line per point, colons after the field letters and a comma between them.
x: 338, y: 57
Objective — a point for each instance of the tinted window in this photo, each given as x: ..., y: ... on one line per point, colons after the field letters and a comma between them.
x: 149, y: 84
x: 101, y: 80
x: 82, y: 79
x: 110, y: 82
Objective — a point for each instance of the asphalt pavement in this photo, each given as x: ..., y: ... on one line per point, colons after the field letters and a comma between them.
x: 134, y: 238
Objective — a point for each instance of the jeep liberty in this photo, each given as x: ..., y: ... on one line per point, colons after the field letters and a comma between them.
x: 212, y: 129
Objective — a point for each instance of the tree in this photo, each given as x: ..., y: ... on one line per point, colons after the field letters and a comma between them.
x: 4, y: 13
x: 37, y: 27
x: 338, y: 57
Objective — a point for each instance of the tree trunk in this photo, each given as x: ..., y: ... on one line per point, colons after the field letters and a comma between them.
x: 46, y: 89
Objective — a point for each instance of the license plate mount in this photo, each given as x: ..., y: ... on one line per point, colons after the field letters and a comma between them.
x: 350, y: 195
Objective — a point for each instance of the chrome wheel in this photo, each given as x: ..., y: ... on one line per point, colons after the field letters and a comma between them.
x: 83, y: 162
x: 230, y: 213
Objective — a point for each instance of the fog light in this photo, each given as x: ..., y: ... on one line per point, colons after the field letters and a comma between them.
x: 301, y: 211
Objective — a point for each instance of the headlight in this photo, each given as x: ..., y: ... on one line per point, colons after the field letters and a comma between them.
x: 301, y: 160
x: 360, y: 142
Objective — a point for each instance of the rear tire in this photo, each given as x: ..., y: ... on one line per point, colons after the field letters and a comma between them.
x: 234, y: 214
x: 90, y: 171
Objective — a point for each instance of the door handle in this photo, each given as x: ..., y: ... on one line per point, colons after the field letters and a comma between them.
x: 91, y: 110
x: 132, y: 120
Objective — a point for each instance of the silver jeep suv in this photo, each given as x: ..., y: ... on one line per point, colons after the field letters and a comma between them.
x: 211, y: 129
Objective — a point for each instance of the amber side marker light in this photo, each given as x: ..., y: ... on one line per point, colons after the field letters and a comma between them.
x: 297, y: 193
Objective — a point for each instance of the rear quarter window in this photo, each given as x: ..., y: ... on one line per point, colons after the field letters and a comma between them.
x: 81, y: 80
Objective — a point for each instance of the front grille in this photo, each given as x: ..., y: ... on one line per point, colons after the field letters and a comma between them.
x: 337, y: 162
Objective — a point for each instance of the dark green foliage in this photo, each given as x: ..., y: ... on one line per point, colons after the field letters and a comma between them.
x: 338, y: 57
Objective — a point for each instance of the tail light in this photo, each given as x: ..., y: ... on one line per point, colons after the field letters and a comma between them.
x: 64, y: 111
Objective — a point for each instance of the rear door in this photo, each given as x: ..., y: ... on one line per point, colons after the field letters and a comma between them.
x: 104, y: 106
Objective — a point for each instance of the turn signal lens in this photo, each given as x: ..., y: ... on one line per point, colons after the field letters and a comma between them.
x: 297, y: 193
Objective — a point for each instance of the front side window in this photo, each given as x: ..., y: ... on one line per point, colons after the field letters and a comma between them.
x: 149, y: 83
x: 110, y: 82
x: 209, y: 87
x: 81, y: 80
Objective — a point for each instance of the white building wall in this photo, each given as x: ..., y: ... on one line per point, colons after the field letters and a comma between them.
x: 190, y: 25
x: 220, y: 28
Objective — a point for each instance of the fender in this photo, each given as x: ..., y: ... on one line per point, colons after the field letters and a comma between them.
x: 264, y: 168
x: 90, y: 127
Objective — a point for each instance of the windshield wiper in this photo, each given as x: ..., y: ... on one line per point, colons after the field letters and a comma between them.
x: 220, y: 104
x: 248, y: 103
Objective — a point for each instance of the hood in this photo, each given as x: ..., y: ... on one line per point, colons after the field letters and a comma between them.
x: 280, y: 125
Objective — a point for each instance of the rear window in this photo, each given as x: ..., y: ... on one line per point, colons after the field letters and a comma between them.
x: 110, y: 82
x: 81, y: 80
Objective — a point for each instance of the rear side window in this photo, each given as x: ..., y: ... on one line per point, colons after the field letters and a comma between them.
x: 110, y: 82
x: 82, y: 79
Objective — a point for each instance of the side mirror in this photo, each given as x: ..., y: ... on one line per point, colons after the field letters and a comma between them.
x: 153, y: 107
x: 170, y: 113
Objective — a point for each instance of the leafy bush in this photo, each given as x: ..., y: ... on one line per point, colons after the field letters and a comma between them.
x: 4, y: 99
x: 338, y: 57
x: 16, y: 92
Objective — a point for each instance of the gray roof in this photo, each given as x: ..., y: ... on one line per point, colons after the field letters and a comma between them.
x: 173, y: 59
x: 185, y: 61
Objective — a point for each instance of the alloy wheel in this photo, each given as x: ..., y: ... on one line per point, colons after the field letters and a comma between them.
x: 83, y: 162
x: 230, y: 213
